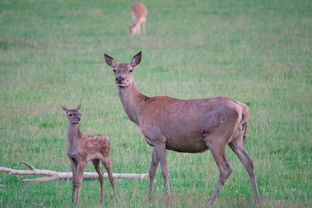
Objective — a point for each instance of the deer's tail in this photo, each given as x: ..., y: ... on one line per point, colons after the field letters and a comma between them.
x: 244, y: 125
x: 244, y: 121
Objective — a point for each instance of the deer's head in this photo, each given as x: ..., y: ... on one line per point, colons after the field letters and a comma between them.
x: 73, y: 115
x: 133, y: 29
x: 123, y: 71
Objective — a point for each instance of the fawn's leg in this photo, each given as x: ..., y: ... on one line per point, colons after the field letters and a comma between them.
x: 96, y: 163
x: 107, y: 165
x: 74, y: 166
x: 152, y: 172
x: 81, y: 166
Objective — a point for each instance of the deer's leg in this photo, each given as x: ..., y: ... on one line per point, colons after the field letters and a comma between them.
x: 161, y: 154
x: 218, y: 153
x: 107, y: 165
x: 74, y: 166
x: 238, y: 148
x: 144, y: 27
x: 139, y: 27
x: 81, y: 166
x: 96, y: 163
x: 152, y: 172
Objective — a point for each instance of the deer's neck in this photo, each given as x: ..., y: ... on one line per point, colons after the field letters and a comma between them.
x: 73, y: 137
x: 132, y: 101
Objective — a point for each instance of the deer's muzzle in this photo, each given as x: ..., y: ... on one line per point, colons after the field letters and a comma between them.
x: 119, y: 80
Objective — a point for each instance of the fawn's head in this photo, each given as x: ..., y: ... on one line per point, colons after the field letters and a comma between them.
x: 73, y: 115
x: 123, y: 71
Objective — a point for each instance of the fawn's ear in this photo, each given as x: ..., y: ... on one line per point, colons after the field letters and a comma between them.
x: 79, y: 107
x: 110, y: 61
x: 64, y: 108
x: 136, y: 60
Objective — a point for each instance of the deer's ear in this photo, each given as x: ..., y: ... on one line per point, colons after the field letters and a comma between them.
x: 64, y: 108
x: 110, y: 61
x: 79, y: 107
x: 136, y: 60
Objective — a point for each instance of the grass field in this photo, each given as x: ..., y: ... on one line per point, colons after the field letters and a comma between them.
x: 258, y: 52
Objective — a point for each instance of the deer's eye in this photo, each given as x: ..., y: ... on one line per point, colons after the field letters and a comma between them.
x: 114, y: 70
x: 70, y: 114
x: 131, y: 70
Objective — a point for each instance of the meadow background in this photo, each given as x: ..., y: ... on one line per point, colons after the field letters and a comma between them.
x: 258, y: 52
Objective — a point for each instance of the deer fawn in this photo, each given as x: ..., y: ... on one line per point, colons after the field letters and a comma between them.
x: 139, y: 13
x: 191, y: 126
x: 82, y: 148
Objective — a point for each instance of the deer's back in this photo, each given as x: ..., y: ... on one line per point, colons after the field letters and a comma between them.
x: 139, y: 10
x: 96, y: 143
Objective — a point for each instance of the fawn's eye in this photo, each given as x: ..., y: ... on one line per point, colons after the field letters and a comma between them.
x: 131, y: 70
x: 114, y: 70
x: 70, y: 114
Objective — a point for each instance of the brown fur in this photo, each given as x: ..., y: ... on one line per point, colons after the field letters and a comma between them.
x: 139, y: 15
x: 81, y: 148
x: 184, y: 125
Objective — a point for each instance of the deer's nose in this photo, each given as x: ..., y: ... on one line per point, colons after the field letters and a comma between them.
x: 119, y: 79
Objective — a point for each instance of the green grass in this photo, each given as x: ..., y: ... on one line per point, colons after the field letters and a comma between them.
x: 258, y: 52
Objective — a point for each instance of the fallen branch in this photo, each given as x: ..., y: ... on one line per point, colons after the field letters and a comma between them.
x: 54, y: 175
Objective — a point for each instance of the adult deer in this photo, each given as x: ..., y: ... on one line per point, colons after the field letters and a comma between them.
x: 191, y: 126
x: 139, y: 14
x: 82, y: 148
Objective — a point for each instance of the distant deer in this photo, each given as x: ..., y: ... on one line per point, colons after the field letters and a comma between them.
x: 191, y: 126
x: 139, y: 14
x: 82, y: 148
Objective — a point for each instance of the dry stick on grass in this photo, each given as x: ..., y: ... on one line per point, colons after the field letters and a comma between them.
x: 54, y: 175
